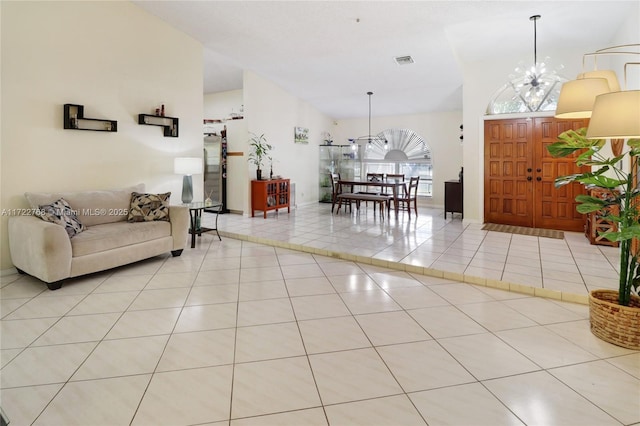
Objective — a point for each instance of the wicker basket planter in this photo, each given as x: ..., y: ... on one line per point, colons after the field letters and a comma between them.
x: 614, y: 323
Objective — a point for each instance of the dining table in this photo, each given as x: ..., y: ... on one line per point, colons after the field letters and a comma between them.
x: 394, y: 184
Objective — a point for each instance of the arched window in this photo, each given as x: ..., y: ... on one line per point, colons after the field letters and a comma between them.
x: 404, y: 152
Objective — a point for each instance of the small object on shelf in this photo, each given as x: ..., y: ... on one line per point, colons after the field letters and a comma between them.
x: 162, y: 110
x: 169, y: 124
x: 208, y: 201
x: 158, y: 112
x: 74, y: 119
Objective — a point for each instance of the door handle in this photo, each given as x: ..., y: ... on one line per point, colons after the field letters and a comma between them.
x: 538, y: 178
x: 529, y: 178
x: 538, y: 170
x: 529, y: 170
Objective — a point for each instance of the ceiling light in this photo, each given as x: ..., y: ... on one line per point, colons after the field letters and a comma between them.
x: 371, y: 138
x: 536, y: 83
x: 404, y: 60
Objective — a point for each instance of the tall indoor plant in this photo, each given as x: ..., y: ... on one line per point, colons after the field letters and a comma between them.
x: 259, y: 151
x: 621, y: 181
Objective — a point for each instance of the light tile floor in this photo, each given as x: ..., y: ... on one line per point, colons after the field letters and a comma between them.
x: 242, y: 333
x: 432, y: 245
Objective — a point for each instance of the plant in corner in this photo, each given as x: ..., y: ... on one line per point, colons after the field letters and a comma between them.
x: 259, y: 152
x: 620, y: 180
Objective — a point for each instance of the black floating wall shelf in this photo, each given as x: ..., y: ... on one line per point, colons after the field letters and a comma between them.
x: 169, y: 124
x: 74, y: 119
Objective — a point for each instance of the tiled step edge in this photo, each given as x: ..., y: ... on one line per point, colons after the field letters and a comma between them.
x: 469, y: 279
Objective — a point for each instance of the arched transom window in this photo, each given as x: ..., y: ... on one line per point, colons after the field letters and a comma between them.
x: 404, y: 152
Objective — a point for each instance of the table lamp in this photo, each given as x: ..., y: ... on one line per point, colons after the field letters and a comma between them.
x: 187, y: 166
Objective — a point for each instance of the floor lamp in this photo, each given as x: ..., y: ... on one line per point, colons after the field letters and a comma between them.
x: 187, y: 166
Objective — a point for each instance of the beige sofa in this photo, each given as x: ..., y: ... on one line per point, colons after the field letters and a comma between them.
x: 46, y: 251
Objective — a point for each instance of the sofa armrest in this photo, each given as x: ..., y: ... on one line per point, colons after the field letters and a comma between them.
x: 179, y: 217
x: 41, y: 249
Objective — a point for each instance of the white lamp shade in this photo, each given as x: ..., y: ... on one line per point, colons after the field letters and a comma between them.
x: 615, y: 115
x: 578, y: 96
x: 187, y: 165
x: 610, y: 75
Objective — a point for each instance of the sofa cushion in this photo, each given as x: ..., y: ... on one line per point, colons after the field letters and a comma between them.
x: 61, y: 213
x: 149, y: 207
x: 92, y: 207
x: 108, y: 236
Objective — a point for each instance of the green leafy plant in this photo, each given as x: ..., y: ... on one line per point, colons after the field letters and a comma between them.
x: 326, y: 138
x: 260, y: 150
x: 612, y: 174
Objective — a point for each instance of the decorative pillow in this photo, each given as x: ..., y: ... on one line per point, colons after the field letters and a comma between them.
x: 61, y: 213
x: 149, y: 207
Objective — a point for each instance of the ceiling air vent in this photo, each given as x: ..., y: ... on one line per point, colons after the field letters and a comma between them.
x: 404, y: 60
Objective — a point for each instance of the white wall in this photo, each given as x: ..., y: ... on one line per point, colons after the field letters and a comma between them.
x: 116, y: 60
x: 270, y: 110
x: 628, y: 33
x: 219, y: 106
x: 440, y: 130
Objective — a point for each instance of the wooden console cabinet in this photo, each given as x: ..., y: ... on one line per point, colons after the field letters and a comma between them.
x: 453, y: 197
x: 269, y: 195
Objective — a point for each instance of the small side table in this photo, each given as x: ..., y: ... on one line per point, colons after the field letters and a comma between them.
x: 195, y: 212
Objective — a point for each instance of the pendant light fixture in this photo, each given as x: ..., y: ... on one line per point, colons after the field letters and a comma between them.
x: 531, y: 88
x: 369, y: 138
x: 536, y: 83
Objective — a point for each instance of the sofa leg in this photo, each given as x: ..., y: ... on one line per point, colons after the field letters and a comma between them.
x: 20, y: 271
x: 176, y: 253
x: 55, y: 285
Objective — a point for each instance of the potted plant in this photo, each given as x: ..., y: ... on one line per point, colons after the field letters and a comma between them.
x: 259, y: 152
x: 326, y: 138
x: 615, y: 316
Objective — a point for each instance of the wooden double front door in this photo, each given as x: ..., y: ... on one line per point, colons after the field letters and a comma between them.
x: 519, y: 174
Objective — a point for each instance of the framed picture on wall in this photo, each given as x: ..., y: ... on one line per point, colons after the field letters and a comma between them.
x: 300, y: 135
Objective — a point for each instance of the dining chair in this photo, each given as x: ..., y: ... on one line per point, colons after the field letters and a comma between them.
x: 411, y: 196
x: 373, y: 177
x: 393, y: 176
x: 397, y: 177
x: 335, y: 190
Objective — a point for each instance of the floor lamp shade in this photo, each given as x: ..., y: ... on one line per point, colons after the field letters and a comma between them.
x: 578, y: 96
x: 616, y: 115
x: 609, y: 75
x: 187, y: 166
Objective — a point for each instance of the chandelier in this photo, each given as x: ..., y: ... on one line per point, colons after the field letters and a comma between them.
x: 535, y: 84
x: 369, y: 138
x: 532, y: 88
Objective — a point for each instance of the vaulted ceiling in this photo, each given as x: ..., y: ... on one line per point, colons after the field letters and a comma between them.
x: 330, y: 53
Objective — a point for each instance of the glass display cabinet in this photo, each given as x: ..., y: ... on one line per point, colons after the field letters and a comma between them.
x: 343, y: 159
